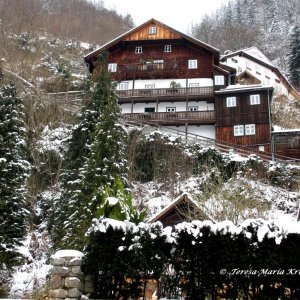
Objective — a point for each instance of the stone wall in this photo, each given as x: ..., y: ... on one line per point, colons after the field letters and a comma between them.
x: 67, y: 280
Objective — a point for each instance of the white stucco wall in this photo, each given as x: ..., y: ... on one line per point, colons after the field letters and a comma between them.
x: 162, y: 106
x: 208, y: 131
x: 165, y: 83
x: 243, y: 64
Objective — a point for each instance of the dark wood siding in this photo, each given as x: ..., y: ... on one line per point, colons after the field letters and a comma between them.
x: 175, y: 63
x: 243, y: 112
x: 287, y: 144
x: 250, y: 142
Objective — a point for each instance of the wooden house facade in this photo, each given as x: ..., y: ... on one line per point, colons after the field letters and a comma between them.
x: 170, y: 79
x: 243, y: 116
x: 286, y: 143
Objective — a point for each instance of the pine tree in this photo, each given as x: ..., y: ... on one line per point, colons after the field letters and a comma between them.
x: 14, y: 170
x: 294, y: 57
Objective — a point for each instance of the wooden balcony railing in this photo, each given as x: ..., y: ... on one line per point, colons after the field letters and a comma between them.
x: 167, y: 92
x: 195, y: 117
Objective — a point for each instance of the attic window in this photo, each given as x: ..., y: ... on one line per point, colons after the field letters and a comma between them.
x: 168, y: 48
x: 152, y: 30
x: 234, y: 60
x: 138, y: 49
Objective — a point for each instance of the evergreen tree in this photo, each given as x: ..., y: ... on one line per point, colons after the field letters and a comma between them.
x: 95, y: 158
x: 14, y: 169
x: 294, y: 57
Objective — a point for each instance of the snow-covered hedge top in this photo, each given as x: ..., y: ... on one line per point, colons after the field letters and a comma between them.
x: 258, y: 227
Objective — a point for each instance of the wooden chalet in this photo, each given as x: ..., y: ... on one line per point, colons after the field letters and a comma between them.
x: 167, y: 78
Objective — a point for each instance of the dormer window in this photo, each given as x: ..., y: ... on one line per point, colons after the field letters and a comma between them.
x: 152, y: 30
x: 138, y: 49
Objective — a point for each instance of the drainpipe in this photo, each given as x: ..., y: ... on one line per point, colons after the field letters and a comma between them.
x: 270, y: 124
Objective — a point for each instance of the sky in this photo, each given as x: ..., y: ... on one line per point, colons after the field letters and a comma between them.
x: 178, y: 14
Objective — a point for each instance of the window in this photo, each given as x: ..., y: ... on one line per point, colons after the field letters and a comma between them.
x: 231, y: 101
x: 138, y: 49
x: 219, y: 80
x: 277, y: 80
x: 149, y: 86
x: 193, y: 108
x: 238, y: 130
x: 234, y: 60
x: 168, y: 48
x: 171, y: 109
x: 193, y: 64
x: 149, y: 109
x: 250, y: 129
x: 112, y: 67
x: 152, y: 30
x: 193, y: 84
x: 123, y: 86
x: 261, y: 148
x: 258, y: 69
x: 254, y: 99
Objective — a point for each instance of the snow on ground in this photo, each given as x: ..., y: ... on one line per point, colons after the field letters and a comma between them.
x: 32, y: 276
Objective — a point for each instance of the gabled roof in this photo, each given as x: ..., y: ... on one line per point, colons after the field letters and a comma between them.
x: 133, y: 34
x: 174, y: 206
x: 254, y: 54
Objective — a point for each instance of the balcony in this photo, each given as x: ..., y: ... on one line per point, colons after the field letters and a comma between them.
x: 173, y: 118
x: 166, y: 93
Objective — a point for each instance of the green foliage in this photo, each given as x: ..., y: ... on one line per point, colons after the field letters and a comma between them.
x: 116, y: 203
x: 14, y: 170
x: 95, y: 157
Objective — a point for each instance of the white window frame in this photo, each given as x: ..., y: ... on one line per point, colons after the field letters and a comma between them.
x: 149, y: 86
x: 193, y: 108
x: 255, y: 99
x: 112, y: 67
x: 219, y: 80
x: 193, y: 84
x: 231, y: 101
x: 193, y: 64
x: 250, y: 129
x: 171, y: 109
x: 138, y: 49
x: 238, y: 130
x: 152, y: 30
x: 123, y: 86
x: 168, y: 48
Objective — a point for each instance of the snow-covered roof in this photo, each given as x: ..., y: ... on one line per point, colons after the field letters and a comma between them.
x: 253, y: 52
x: 243, y: 88
x: 184, y: 197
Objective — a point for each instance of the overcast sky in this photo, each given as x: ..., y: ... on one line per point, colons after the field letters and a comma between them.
x: 174, y: 13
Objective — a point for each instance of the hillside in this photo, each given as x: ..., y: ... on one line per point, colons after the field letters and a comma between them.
x: 42, y: 49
